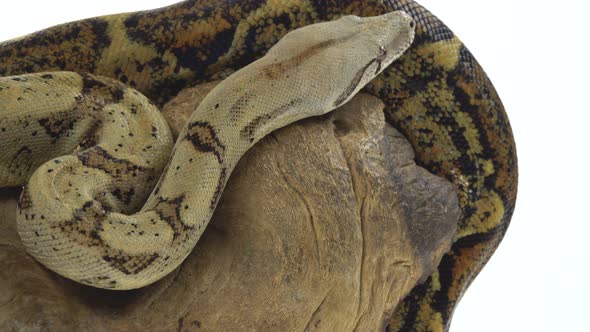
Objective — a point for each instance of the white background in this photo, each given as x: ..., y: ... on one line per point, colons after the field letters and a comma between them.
x: 535, y: 53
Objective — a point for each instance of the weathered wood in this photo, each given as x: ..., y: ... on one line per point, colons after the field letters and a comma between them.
x: 324, y: 225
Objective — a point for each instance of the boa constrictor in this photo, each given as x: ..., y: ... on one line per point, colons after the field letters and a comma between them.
x: 436, y: 94
x: 70, y: 211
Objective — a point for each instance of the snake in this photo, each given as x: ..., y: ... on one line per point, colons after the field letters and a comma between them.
x: 69, y: 214
x: 436, y: 94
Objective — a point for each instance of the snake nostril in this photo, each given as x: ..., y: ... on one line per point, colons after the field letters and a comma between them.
x: 412, y: 24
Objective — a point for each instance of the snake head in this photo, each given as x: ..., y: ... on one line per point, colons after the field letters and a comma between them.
x: 382, y: 38
x: 342, y: 56
x: 375, y: 42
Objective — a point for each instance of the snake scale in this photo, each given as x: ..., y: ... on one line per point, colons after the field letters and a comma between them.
x: 436, y: 94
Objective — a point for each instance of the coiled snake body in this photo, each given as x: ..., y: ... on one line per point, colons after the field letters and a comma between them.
x: 436, y: 94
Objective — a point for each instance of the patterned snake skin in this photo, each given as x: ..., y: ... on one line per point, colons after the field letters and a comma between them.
x: 436, y: 94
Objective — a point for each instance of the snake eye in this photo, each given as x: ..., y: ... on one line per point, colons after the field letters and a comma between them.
x: 382, y: 50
